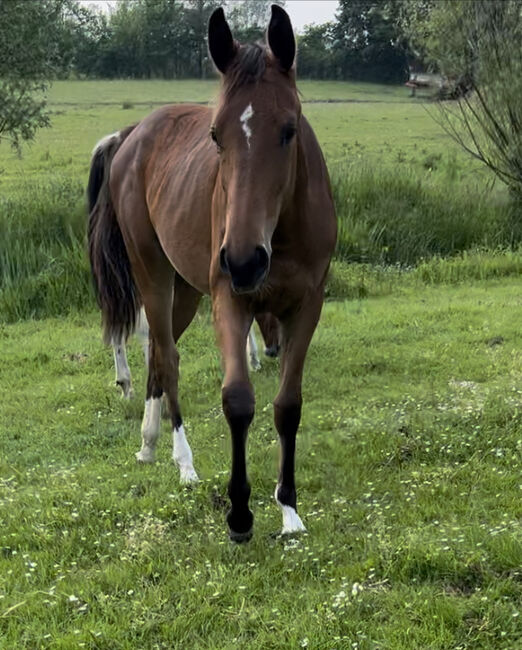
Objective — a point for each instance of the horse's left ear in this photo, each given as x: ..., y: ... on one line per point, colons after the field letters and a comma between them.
x: 221, y: 43
x: 281, y: 38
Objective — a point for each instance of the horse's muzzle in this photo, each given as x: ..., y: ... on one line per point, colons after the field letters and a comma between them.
x: 246, y: 275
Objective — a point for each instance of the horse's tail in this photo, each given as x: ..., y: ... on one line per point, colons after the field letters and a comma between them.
x: 114, y: 285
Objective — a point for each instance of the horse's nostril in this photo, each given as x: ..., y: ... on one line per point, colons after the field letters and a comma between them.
x: 223, y: 262
x: 262, y: 257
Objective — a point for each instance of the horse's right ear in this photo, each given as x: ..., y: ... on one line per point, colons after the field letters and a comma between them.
x: 221, y: 44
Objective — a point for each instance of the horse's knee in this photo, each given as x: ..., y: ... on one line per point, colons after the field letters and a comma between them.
x: 238, y: 405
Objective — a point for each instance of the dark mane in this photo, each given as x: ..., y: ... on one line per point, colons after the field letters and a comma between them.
x: 248, y: 66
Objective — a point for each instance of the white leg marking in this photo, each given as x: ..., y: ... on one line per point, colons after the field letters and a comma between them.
x: 182, y: 455
x: 245, y: 117
x: 291, y: 520
x: 142, y: 332
x: 252, y: 355
x: 123, y: 376
x: 150, y: 428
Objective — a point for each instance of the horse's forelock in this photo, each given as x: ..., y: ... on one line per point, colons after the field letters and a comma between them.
x: 248, y: 66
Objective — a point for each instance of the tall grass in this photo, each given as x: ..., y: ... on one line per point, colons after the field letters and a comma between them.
x: 389, y: 221
x: 398, y: 216
x: 354, y: 280
x: 43, y: 267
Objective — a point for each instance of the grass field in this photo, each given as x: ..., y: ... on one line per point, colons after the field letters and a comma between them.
x: 409, y: 455
x: 408, y: 477
x: 370, y: 120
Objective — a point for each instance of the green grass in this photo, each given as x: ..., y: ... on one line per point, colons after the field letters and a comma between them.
x: 402, y: 217
x: 379, y: 122
x: 409, y: 454
x: 189, y: 90
x: 409, y: 465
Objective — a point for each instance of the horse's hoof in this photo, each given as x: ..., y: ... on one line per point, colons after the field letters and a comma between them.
x: 145, y: 456
x: 272, y: 351
x: 187, y: 475
x: 240, y: 525
x: 294, y: 527
x: 126, y: 389
x: 240, y: 538
x: 292, y: 523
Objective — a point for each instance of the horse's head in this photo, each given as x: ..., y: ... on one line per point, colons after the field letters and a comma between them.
x: 254, y: 130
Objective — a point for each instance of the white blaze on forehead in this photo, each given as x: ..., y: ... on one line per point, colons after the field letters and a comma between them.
x: 245, y: 117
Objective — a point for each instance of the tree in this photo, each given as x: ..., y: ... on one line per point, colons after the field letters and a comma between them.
x: 29, y: 53
x: 316, y: 58
x: 197, y: 14
x: 249, y: 18
x: 367, y: 41
x: 476, y: 45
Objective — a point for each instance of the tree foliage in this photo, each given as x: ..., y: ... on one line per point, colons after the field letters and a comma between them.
x: 316, y: 54
x: 477, y: 46
x: 29, y: 37
x: 368, y: 42
x: 249, y: 18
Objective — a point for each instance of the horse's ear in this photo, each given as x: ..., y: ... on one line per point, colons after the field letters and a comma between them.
x: 220, y: 41
x: 281, y: 37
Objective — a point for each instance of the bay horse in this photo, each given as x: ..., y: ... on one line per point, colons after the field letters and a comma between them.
x: 234, y: 202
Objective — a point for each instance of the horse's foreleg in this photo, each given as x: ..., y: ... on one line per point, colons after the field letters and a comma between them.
x: 123, y: 376
x: 232, y: 323
x: 297, y: 332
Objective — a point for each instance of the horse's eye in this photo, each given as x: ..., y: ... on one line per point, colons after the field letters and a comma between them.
x: 287, y: 133
x: 213, y: 135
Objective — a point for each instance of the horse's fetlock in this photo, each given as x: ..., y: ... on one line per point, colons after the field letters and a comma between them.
x: 240, y: 522
x: 239, y: 492
x: 286, y: 495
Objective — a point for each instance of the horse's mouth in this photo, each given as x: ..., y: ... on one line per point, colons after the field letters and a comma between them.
x: 250, y: 288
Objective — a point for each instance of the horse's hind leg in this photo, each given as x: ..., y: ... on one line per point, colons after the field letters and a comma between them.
x: 142, y: 332
x: 151, y: 423
x: 186, y: 301
x: 123, y: 376
x: 252, y: 355
x: 121, y: 365
x: 270, y: 329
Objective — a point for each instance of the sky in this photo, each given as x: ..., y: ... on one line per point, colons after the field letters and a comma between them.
x: 305, y: 12
x: 301, y: 12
